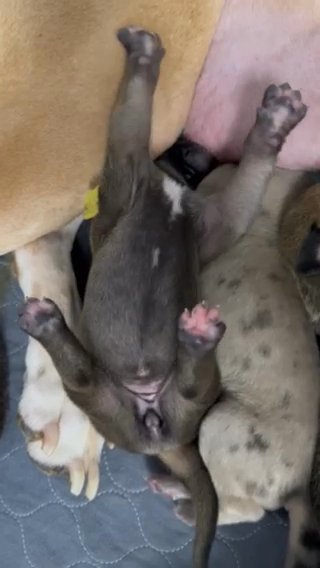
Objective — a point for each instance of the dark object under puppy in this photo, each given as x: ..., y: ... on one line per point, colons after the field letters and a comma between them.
x: 187, y: 162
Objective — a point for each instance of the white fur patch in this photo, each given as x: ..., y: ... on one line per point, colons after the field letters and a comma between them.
x: 44, y: 269
x: 155, y: 257
x: 174, y: 191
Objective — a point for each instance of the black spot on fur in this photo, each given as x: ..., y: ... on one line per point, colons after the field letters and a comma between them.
x: 287, y: 416
x: 262, y: 492
x: 234, y: 284
x: 221, y: 280
x: 264, y: 350
x: 262, y: 319
x: 251, y: 487
x: 310, y: 539
x: 246, y: 364
x: 234, y: 448
x: 256, y: 442
x: 275, y: 277
x: 285, y: 400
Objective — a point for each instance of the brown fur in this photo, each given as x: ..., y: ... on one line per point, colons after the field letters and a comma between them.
x: 59, y: 69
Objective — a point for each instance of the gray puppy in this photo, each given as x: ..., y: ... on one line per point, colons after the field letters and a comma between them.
x: 142, y: 368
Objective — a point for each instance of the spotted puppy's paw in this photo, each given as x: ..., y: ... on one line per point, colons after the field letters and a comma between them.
x: 40, y: 317
x: 201, y: 329
x: 59, y: 437
x: 173, y: 488
x: 140, y: 42
x: 282, y: 109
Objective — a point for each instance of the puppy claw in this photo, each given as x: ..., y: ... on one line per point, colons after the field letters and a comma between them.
x: 50, y: 438
x: 93, y: 478
x: 77, y: 476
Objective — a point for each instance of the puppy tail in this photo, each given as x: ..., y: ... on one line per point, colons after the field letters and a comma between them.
x: 304, y: 534
x: 186, y: 463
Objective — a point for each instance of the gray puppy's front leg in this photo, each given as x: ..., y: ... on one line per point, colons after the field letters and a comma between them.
x: 43, y: 321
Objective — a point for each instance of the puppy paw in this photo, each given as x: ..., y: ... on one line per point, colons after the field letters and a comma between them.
x: 201, y: 328
x: 141, y: 42
x: 59, y: 437
x: 39, y: 317
x: 282, y: 109
x: 77, y: 454
x: 184, y: 511
x: 169, y: 486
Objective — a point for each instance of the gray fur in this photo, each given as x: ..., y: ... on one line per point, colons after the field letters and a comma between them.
x: 144, y: 381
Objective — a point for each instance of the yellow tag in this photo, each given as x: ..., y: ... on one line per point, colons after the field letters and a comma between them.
x: 91, y: 203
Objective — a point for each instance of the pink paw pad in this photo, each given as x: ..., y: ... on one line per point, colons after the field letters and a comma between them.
x: 200, y: 321
x: 201, y: 327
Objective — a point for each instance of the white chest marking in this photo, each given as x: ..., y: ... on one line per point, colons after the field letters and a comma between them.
x: 174, y: 192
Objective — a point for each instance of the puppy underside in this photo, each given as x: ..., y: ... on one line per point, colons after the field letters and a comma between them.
x: 142, y: 365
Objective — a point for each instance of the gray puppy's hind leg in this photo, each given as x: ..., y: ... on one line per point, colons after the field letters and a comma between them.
x: 128, y: 161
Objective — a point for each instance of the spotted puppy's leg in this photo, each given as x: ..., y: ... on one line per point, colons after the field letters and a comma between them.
x: 59, y: 436
x: 230, y: 211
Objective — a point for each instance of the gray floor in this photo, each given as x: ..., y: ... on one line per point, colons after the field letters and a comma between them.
x: 43, y: 526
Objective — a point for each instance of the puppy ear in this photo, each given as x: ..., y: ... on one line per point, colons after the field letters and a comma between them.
x: 309, y: 256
